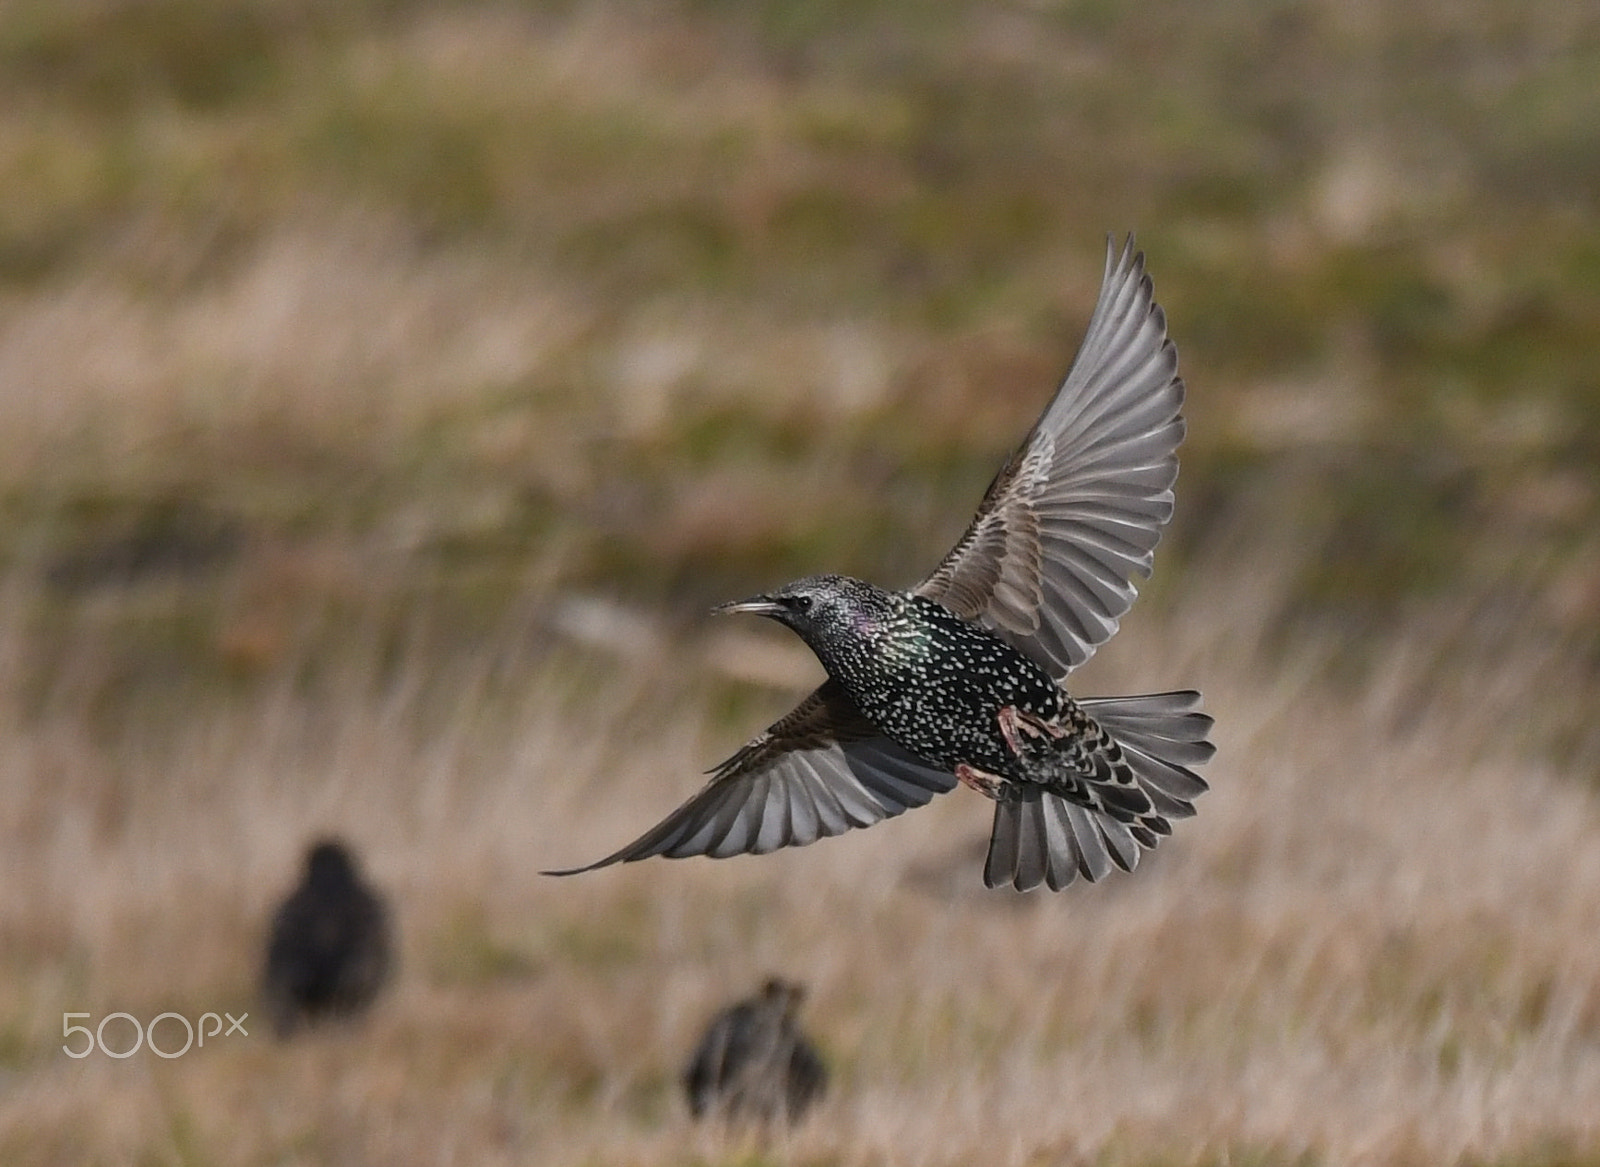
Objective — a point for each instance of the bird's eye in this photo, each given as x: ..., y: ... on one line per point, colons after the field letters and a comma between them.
x: 802, y: 603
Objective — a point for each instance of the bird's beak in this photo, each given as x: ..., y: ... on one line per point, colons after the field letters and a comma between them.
x: 759, y: 605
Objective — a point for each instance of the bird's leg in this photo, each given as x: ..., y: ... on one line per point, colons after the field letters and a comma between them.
x: 982, y: 781
x: 1014, y: 721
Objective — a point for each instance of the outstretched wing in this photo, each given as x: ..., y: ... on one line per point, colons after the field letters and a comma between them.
x: 819, y: 771
x: 1072, y: 519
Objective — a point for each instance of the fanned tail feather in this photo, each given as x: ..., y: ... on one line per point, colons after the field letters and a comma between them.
x: 1042, y: 837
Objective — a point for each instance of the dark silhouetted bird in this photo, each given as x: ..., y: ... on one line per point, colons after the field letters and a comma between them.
x: 329, y: 952
x: 754, y: 1063
x: 962, y: 678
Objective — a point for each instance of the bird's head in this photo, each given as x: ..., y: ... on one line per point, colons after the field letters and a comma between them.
x: 821, y: 608
x: 329, y: 863
x: 786, y: 996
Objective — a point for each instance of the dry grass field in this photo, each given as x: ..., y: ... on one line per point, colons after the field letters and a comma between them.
x: 387, y: 388
x: 1375, y: 945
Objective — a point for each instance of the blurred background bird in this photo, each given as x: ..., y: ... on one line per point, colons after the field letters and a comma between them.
x: 754, y: 1063
x: 330, y: 950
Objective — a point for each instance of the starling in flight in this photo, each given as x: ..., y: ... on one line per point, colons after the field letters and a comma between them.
x: 962, y: 677
x: 754, y: 1063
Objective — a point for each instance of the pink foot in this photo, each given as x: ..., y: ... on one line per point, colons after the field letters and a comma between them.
x: 982, y: 781
x: 1014, y: 722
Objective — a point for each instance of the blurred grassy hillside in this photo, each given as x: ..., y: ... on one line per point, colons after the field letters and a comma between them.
x: 365, y: 365
x: 454, y: 302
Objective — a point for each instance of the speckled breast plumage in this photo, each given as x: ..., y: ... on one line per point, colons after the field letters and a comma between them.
x: 935, y: 684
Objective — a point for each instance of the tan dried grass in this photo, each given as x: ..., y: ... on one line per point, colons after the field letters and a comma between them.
x: 1374, y: 945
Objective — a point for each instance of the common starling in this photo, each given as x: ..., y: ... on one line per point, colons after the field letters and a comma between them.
x: 754, y: 1063
x: 329, y: 952
x: 962, y: 677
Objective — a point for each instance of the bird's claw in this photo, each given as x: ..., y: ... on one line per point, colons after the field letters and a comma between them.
x: 982, y: 781
x: 1014, y: 723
